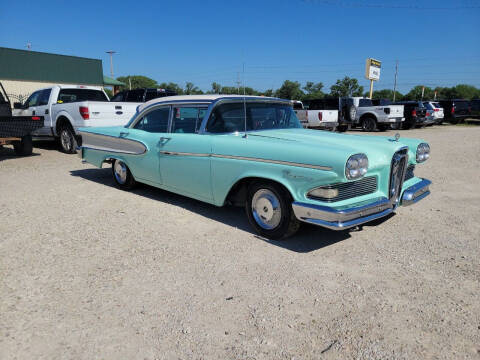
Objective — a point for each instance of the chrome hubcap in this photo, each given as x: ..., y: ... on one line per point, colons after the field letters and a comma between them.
x: 266, y: 209
x: 65, y: 139
x: 120, y: 171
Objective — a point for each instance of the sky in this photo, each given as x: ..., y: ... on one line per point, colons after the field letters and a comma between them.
x: 436, y: 42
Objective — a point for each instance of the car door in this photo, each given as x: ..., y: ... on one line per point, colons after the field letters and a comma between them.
x: 185, y: 154
x: 152, y: 130
x: 30, y: 105
x: 43, y: 109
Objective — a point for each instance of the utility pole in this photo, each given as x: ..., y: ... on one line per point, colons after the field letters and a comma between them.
x: 111, y: 52
x: 395, y: 83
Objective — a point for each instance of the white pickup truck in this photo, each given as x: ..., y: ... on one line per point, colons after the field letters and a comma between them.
x: 65, y: 108
x: 313, y: 114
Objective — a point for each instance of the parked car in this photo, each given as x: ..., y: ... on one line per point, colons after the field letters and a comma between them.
x: 436, y: 110
x: 455, y: 110
x: 475, y: 108
x: 253, y: 152
x: 16, y: 130
x: 141, y: 95
x: 68, y: 107
x: 361, y: 112
x: 415, y: 114
x: 316, y: 114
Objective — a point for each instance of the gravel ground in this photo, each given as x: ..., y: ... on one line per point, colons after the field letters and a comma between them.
x: 91, y: 272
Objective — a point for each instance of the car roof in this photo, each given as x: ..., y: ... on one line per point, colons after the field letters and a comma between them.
x: 203, y: 98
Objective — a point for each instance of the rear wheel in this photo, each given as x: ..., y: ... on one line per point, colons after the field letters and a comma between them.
x: 24, y: 147
x: 122, y: 175
x: 369, y: 124
x: 269, y: 211
x: 67, y: 140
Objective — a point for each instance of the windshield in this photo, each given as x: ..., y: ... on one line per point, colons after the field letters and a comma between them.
x: 230, y: 117
x: 428, y: 105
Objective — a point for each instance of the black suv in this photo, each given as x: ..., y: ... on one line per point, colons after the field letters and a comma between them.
x: 141, y: 95
x: 475, y: 108
x: 415, y: 114
x: 455, y: 110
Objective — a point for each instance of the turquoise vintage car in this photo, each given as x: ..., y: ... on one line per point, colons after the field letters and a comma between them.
x: 253, y: 152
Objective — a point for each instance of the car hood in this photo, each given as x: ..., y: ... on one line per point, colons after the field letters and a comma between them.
x: 326, y: 148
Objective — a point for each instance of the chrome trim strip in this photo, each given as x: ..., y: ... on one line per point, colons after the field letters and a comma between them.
x: 111, y: 143
x: 343, y: 217
x: 233, y: 157
x: 111, y: 150
x: 278, y: 162
x: 416, y: 192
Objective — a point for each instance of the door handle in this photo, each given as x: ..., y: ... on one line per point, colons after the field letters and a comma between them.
x: 123, y: 134
x: 33, y: 112
x: 119, y: 112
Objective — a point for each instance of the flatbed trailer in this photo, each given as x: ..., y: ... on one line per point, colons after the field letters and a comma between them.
x: 16, y: 130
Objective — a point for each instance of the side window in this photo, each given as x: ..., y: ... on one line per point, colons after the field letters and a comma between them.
x: 227, y: 118
x: 33, y: 99
x: 156, y: 121
x: 187, y: 119
x: 44, y: 96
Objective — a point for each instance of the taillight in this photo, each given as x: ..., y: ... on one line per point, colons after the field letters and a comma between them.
x: 84, y: 112
x: 414, y: 112
x: 35, y: 117
x: 320, y: 116
x: 428, y: 113
x: 436, y: 109
x: 453, y: 110
x: 469, y: 109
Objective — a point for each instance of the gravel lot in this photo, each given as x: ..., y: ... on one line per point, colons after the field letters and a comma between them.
x: 91, y: 272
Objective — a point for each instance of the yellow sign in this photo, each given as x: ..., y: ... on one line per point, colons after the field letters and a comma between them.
x: 372, y: 69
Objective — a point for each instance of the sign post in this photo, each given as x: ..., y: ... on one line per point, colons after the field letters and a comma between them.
x: 372, y: 72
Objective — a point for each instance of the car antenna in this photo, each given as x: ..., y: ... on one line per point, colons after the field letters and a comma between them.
x: 244, y: 104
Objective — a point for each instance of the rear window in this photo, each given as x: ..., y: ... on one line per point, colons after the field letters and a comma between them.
x: 461, y: 104
x: 76, y: 95
x: 365, y: 103
x: 437, y: 105
x: 297, y: 106
x: 135, y: 96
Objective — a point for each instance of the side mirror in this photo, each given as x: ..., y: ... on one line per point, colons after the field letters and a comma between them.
x: 17, y: 105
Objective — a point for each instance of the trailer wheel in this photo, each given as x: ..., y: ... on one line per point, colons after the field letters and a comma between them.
x: 24, y: 147
x: 67, y: 140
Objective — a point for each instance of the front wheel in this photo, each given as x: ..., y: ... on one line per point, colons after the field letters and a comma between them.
x: 122, y: 175
x: 269, y: 211
x: 67, y: 140
x: 369, y: 124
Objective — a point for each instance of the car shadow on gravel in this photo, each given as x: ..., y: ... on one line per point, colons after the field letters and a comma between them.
x: 309, y: 237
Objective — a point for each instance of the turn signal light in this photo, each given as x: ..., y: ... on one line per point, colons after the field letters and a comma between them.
x: 414, y: 112
x: 84, y: 112
x: 35, y: 117
x: 320, y: 116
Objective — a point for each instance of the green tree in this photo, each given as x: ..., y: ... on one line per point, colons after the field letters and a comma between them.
x: 313, y: 90
x: 464, y: 91
x: 346, y: 87
x: 416, y: 93
x: 191, y: 89
x: 386, y: 94
x: 137, y: 81
x: 269, y: 92
x: 216, y: 88
x: 290, y: 90
x: 171, y: 86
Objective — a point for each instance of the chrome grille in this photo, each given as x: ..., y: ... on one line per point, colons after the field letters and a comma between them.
x: 397, y: 175
x: 410, y: 170
x: 348, y: 190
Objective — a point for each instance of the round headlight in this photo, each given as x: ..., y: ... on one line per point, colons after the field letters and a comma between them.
x: 356, y: 166
x: 423, y: 152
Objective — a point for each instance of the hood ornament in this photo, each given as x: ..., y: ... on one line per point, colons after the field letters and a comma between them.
x: 396, y: 137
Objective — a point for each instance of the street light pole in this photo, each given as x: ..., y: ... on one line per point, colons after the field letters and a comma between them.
x: 111, y: 52
x: 395, y: 84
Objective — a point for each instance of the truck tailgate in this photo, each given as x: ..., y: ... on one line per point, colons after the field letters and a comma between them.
x: 396, y: 111
x: 109, y: 113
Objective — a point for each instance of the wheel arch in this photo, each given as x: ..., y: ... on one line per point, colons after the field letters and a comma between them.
x: 237, y: 193
x: 62, y: 120
x: 368, y: 115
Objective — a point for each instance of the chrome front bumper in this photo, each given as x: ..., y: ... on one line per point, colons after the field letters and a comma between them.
x: 356, y: 214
